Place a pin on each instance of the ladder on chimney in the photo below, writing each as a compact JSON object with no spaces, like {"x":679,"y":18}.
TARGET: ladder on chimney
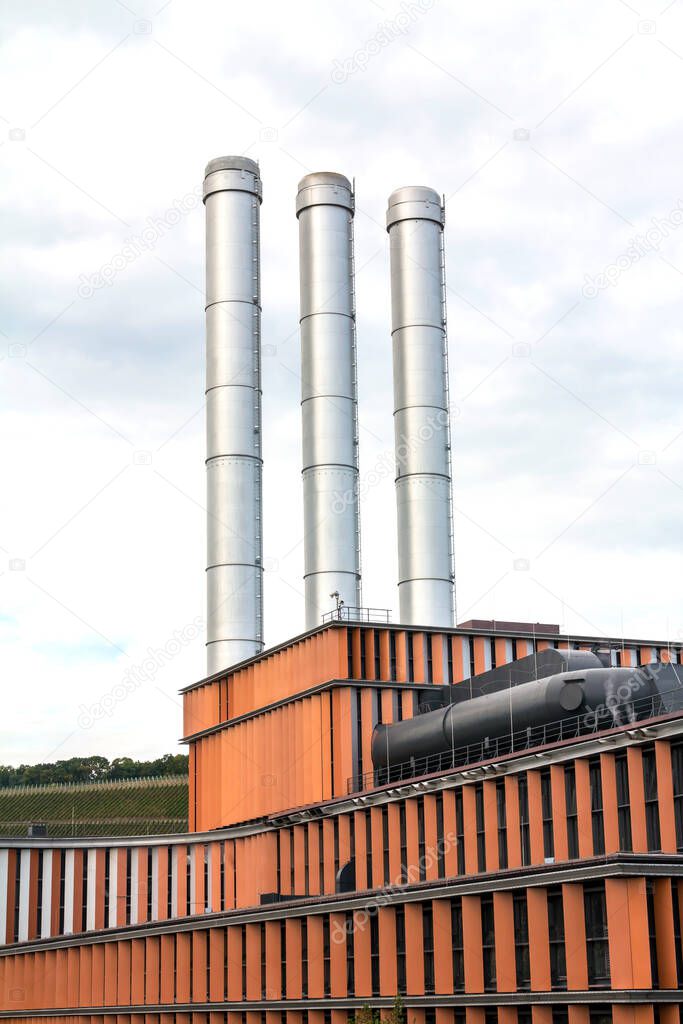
{"x":256,"y":369}
{"x":354,"y":386}
{"x":446,"y":385}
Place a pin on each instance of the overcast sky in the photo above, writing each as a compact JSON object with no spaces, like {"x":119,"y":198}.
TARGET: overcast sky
{"x":554,"y":130}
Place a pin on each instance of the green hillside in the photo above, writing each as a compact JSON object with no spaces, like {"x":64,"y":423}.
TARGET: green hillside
{"x":124,"y":808}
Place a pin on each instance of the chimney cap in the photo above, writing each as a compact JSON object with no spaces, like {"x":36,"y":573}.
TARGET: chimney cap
{"x":414,"y":202}
{"x":324,"y":188}
{"x":232,"y":163}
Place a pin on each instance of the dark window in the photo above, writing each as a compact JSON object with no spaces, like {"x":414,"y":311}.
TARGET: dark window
{"x":400,"y":950}
{"x":560,"y":1015}
{"x":349,"y":653}
{"x":623,"y":803}
{"x":488,"y":943}
{"x":440,"y":838}
{"x":524,"y":820}
{"x":411,"y":657}
{"x":428,"y":946}
{"x":460,"y":831}
{"x":654,"y":964}
{"x":283,"y":961}
{"x":374,"y":953}
{"x":572,"y":817}
{"x":449,"y":645}
{"x":502,"y":823}
{"x":558,"y":959}
{"x":385,"y":844}
{"x":326,"y":955}
{"x":392,"y":659}
{"x":547,"y":812}
{"x":596,"y":936}
{"x":350,"y":972}
{"x":677,"y":930}
{"x":651,"y":802}
{"x":481,"y":835}
{"x":368,"y":848}
{"x":264,"y":993}
{"x":521,"y":921}
{"x":363,"y":666}
{"x":597,"y":821}
{"x":378,"y":665}
{"x":677,"y":770}
{"x":404,"y":840}
{"x":304,"y":956}
{"x":427,"y":640}
{"x":457,"y":945}
{"x":470,"y":646}
{"x":421,"y":837}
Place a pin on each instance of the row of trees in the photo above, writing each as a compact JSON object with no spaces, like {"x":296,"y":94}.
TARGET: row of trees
{"x":92,"y":769}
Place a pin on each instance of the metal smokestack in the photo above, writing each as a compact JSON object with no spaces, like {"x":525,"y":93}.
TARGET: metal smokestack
{"x":329,"y":393}
{"x":232,"y":196}
{"x":415,"y":220}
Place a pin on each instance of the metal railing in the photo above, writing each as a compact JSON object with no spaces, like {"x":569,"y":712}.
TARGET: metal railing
{"x":347,"y":613}
{"x":610,"y":716}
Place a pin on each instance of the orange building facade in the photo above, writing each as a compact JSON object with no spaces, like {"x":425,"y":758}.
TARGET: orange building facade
{"x":542,"y":883}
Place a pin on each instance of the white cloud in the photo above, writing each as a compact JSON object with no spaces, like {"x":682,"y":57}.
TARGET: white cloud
{"x":122,"y":107}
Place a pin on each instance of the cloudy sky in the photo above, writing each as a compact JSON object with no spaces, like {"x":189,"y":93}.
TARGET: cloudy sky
{"x":554,"y":132}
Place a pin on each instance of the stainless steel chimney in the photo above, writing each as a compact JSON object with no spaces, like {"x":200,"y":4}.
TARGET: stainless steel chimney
{"x":415,"y":220}
{"x":232,"y":196}
{"x":329,"y":394}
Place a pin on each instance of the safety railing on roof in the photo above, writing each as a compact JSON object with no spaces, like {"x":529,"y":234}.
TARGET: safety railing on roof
{"x":347,"y":613}
{"x":489,"y":749}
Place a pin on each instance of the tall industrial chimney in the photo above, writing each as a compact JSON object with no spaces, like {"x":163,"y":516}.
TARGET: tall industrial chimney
{"x":329,"y":394}
{"x":232,"y":196}
{"x":415,"y":220}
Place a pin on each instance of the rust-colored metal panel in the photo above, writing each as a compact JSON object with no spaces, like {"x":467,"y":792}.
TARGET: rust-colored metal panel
{"x":273,"y":960}
{"x":316,"y":974}
{"x":504,"y":924}
{"x":610,"y":815}
{"x":415,"y":980}
{"x":636,"y":786}
{"x":293,"y":940}
{"x":664,"y":933}
{"x":539,"y":938}
{"x":137,"y":972}
{"x":583,"y":808}
{"x":152,"y":968}
{"x":387,"y":943}
{"x":412,"y":840}
{"x":84,"y":957}
{"x":361,"y":955}
{"x":183,"y":945}
{"x":394,"y":843}
{"x":234,"y":965}
{"x":443,"y":947}
{"x":575,"y":930}
{"x":339,"y":938}
{"x":110,"y":972}
{"x":579,"y":1015}
{"x":313,"y":840}
{"x":665,"y":796}
{"x":558,"y":796}
{"x":253,"y":961}
{"x":450,"y":834}
{"x":362,"y":881}
{"x":472,"y":941}
{"x":629,"y":943}
{"x":329,"y":880}
{"x":123,"y":973}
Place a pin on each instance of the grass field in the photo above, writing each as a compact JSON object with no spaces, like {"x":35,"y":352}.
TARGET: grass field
{"x":127,"y":808}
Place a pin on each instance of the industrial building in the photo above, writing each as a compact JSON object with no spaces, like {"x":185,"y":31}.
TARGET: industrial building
{"x":486,"y":818}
